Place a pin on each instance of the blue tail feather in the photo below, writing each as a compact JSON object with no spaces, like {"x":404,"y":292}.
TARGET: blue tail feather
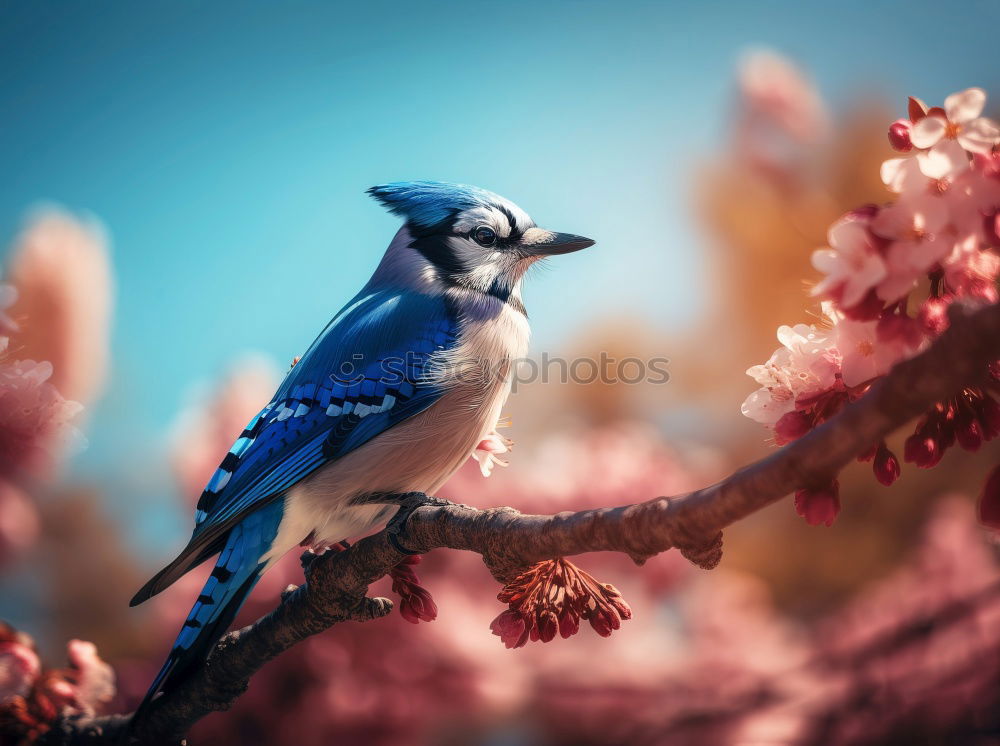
{"x":236,"y":572}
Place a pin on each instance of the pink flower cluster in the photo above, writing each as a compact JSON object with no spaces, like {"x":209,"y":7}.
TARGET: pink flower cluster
{"x":780,"y":116}
{"x":553,"y":596}
{"x":889,"y":274}
{"x":35,"y":427}
{"x":34,"y":417}
{"x":32,"y":697}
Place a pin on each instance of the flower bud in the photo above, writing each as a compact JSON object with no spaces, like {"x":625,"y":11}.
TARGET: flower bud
{"x":617,"y":602}
{"x":569,"y":623}
{"x":550,"y":597}
{"x":791,"y":426}
{"x":604,"y":621}
{"x":899,"y":135}
{"x":415,"y":602}
{"x":510,"y":628}
{"x":819,"y":506}
{"x":968,"y":431}
{"x":922,"y":450}
{"x":548,"y":625}
{"x":885,"y":466}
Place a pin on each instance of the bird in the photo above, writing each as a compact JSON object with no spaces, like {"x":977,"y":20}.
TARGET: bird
{"x":392,"y":397}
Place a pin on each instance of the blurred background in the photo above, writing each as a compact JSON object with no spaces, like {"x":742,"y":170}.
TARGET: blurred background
{"x":183,"y":208}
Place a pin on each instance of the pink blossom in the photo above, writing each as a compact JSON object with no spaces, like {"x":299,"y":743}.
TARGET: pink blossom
{"x":972,"y":271}
{"x":32,"y":698}
{"x":864,"y":354}
{"x":915,"y":228}
{"x":87,"y":684}
{"x":35,"y":420}
{"x":943,"y":163}
{"x":61,"y":268}
{"x":806,"y":364}
{"x":95,"y":679}
{"x":773,"y":88}
{"x":960,"y":122}
{"x":852,"y":264}
{"x":488,"y":450}
{"x":19,"y":668}
{"x":903,"y":175}
{"x":969,"y":198}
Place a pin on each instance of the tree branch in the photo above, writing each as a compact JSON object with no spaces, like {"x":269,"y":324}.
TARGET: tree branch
{"x":337,"y":583}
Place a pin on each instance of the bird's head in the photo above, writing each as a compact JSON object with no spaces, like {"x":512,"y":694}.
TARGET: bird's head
{"x":469,"y":238}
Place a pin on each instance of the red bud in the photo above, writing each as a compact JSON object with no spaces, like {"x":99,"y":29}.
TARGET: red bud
{"x":548,"y":625}
{"x":921,"y":450}
{"x":968,"y":431}
{"x":819,"y":506}
{"x":791,"y":426}
{"x":885,"y":466}
{"x":899,"y":135}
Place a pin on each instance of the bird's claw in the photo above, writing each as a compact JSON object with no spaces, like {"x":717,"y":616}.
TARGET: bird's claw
{"x":408,"y":502}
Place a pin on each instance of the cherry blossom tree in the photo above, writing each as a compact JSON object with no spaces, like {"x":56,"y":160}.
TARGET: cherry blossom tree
{"x":890,"y":274}
{"x":908,"y":328}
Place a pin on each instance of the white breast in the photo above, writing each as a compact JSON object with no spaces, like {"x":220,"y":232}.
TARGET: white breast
{"x":421,"y":453}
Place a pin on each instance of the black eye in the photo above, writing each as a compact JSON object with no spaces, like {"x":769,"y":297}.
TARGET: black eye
{"x":484,"y":236}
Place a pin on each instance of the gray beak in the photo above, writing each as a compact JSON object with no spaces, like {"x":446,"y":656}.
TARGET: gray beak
{"x":539,"y":242}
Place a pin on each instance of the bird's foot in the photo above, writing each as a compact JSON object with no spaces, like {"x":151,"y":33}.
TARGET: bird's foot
{"x":408,"y":502}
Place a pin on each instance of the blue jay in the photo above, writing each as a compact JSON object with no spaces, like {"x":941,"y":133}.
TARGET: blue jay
{"x":392,"y":397}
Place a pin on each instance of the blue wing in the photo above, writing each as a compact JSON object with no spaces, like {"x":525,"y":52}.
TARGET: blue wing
{"x":361,"y":376}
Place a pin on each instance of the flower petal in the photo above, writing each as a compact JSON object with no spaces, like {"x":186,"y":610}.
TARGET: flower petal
{"x":945,"y":160}
{"x":928,"y":131}
{"x":869,"y":274}
{"x":902,"y":175}
{"x":966,"y":105}
{"x":979,"y":136}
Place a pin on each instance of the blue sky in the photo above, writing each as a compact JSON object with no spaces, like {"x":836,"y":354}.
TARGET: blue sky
{"x":227,"y":147}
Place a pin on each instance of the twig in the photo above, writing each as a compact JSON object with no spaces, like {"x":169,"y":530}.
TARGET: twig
{"x":337,"y":583}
